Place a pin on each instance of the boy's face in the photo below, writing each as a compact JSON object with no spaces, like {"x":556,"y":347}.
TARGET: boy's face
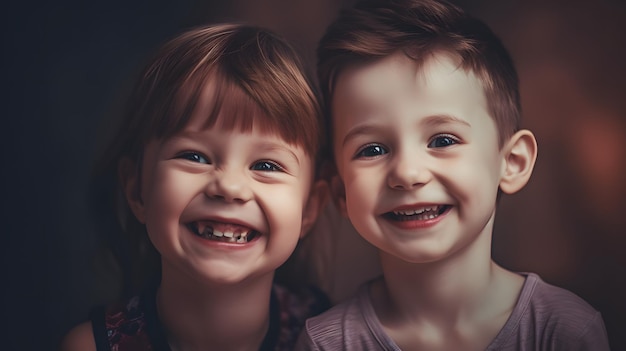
{"x":418,"y":156}
{"x":223,"y":206}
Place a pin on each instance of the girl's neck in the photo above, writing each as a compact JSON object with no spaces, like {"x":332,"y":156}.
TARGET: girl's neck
{"x":203,"y":317}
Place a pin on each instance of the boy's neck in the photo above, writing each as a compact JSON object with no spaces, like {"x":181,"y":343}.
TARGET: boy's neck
{"x":231,"y":317}
{"x":460,"y":301}
{"x":449,"y":289}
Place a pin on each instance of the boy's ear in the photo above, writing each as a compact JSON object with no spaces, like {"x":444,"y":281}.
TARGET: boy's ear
{"x":318,"y":197}
{"x":338,"y":192}
{"x":129,"y":177}
{"x":519,"y":154}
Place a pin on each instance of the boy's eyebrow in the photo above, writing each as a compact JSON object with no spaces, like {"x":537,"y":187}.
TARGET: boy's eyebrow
{"x":437,"y":120}
{"x":360,"y":129}
{"x":434,"y":120}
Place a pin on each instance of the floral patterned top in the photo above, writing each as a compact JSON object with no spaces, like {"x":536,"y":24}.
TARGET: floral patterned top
{"x":133,"y":325}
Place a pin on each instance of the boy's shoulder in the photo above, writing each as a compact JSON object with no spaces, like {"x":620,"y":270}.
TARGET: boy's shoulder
{"x":553,"y":301}
{"x":348,"y":311}
{"x":550,"y":317}
{"x":350,"y":325}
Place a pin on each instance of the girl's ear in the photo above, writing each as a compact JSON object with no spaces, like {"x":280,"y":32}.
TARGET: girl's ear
{"x":318,"y":197}
{"x":519,"y":154}
{"x":338,"y":192}
{"x":129,"y":176}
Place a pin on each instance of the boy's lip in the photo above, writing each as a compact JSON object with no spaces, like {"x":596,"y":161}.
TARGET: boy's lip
{"x":415,"y":207}
{"x":419,"y":215}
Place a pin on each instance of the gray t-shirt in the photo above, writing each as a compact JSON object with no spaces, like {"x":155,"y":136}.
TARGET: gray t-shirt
{"x":545,"y":317}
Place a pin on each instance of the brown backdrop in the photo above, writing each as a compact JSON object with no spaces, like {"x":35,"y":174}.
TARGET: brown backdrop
{"x":68,"y":66}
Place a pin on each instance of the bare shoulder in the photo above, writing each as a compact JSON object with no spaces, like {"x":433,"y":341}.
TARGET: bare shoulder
{"x":79,"y":338}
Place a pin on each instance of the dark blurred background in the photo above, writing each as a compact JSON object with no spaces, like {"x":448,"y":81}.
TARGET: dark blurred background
{"x":67,"y":67}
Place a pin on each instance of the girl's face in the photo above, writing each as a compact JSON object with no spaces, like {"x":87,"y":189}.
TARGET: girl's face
{"x":222,"y":205}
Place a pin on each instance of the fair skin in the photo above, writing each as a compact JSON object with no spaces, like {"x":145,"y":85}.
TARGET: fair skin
{"x":419,"y":168}
{"x":196,"y":189}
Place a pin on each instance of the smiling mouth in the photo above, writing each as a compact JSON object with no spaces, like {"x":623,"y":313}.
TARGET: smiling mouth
{"x":418,"y":214}
{"x":223,"y":232}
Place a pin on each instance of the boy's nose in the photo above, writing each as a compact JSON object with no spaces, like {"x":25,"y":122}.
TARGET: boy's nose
{"x":407,"y":172}
{"x":229,"y":186}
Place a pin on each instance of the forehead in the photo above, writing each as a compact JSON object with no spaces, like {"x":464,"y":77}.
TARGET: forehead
{"x":397,"y":97}
{"x":437,"y":83}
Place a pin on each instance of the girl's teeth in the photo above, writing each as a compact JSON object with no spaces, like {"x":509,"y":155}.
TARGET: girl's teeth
{"x":206,"y":232}
{"x":228,"y":236}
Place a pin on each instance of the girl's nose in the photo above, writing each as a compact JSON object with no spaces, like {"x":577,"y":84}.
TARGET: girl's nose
{"x":229,"y":185}
{"x":408,"y":171}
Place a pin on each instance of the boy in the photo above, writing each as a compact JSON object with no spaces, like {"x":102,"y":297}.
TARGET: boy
{"x":424,"y":113}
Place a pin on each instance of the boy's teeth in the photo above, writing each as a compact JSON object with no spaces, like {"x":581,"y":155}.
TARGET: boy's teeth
{"x":217,"y":233}
{"x":416,"y":211}
{"x":228,"y":234}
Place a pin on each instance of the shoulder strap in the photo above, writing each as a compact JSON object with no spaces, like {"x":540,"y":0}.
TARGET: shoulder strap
{"x":96,"y":316}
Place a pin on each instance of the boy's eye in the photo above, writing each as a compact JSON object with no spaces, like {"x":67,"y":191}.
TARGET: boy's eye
{"x":442,"y":141}
{"x":266,"y":166}
{"x":194,"y":157}
{"x":372,"y":150}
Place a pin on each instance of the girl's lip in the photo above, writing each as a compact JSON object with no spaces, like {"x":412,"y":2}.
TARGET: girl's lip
{"x":223,"y":221}
{"x":223,"y":240}
{"x":224,"y":232}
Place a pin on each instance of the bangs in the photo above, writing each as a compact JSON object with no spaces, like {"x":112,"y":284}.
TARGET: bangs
{"x":219,"y":101}
{"x":231,"y":77}
{"x":228,"y":103}
{"x":211,"y":96}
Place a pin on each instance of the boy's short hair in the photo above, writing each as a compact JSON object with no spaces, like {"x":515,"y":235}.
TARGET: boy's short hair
{"x":375,"y":29}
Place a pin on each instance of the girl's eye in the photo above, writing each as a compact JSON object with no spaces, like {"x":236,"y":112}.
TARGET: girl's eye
{"x":371,"y":151}
{"x":442,"y":141}
{"x":194,"y":157}
{"x":266,"y":166}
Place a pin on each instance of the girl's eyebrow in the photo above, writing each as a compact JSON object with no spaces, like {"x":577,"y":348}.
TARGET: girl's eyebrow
{"x":262,"y":146}
{"x":270,"y":146}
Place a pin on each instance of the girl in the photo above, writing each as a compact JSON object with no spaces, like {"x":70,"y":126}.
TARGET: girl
{"x":215,"y":164}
